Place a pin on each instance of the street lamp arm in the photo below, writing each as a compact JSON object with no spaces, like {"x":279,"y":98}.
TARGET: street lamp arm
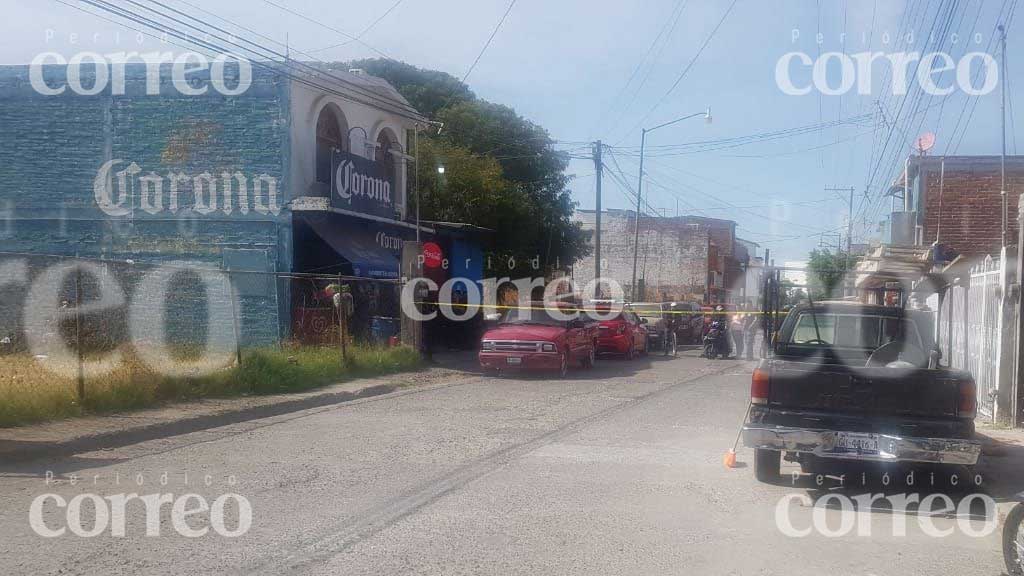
{"x":706,"y":114}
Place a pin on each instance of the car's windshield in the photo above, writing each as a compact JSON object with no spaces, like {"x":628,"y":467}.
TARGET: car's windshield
{"x":539,"y":315}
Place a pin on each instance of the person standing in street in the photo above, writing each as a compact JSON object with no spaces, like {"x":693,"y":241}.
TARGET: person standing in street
{"x":736,"y":330}
{"x":751,"y":327}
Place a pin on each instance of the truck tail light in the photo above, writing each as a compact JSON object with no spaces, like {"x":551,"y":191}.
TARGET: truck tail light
{"x":759,"y":387}
{"x":967,"y":401}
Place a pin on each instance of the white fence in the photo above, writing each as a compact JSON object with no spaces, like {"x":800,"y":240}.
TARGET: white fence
{"x":970,"y":328}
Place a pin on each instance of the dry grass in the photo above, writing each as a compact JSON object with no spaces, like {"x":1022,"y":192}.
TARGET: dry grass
{"x":34,"y":390}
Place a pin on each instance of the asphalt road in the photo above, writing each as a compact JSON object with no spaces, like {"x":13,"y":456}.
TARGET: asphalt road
{"x":612,"y":471}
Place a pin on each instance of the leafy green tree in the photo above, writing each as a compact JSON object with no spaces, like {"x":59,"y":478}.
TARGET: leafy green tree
{"x":429,"y":91}
{"x":827,"y":273}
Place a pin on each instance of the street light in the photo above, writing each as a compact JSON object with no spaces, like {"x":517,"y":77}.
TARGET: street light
{"x":640,"y":182}
{"x":440,"y":169}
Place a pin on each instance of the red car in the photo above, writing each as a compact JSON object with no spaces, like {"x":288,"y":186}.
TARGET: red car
{"x":625,"y":334}
{"x":536,"y":340}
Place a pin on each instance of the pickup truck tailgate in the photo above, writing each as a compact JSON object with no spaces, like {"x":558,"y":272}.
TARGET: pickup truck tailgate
{"x":824,"y":388}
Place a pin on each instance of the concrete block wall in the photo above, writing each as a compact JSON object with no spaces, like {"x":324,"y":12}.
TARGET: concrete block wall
{"x":677,"y":252}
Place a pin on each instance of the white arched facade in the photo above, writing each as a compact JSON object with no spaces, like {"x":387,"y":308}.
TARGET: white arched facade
{"x":361,"y":127}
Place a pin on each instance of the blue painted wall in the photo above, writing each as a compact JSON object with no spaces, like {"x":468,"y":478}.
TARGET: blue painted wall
{"x":52,"y":148}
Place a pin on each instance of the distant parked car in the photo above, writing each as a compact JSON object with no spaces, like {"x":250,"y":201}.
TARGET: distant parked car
{"x":624,"y":334}
{"x":690,"y":324}
{"x":538,"y":340}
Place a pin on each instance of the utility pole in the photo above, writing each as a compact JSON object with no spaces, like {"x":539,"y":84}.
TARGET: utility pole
{"x":636,"y":229}
{"x":599,"y":173}
{"x":1002,"y":110}
{"x":849,"y":229}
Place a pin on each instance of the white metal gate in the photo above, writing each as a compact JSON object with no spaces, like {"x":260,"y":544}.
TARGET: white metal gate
{"x":971,"y":326}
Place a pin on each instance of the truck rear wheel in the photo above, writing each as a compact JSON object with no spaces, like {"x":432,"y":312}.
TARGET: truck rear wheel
{"x":767,"y":465}
{"x":1013,"y":541}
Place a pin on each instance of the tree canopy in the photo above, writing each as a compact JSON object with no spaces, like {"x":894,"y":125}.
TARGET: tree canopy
{"x":502,"y":171}
{"x":827,"y":273}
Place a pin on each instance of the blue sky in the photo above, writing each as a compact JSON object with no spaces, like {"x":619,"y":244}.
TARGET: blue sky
{"x":565,"y":65}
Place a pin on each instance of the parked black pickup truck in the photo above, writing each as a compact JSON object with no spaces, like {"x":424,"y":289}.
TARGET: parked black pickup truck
{"x":849,"y":381}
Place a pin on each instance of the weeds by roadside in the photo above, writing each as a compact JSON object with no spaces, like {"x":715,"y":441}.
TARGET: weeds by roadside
{"x":29,"y":393}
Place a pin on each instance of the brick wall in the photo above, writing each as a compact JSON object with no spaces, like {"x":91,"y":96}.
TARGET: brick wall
{"x":971,"y":212}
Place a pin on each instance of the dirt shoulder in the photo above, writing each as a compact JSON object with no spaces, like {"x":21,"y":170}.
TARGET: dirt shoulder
{"x":67,"y":437}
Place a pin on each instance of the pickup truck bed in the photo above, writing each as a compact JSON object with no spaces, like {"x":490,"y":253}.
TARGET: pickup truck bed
{"x":817,"y":396}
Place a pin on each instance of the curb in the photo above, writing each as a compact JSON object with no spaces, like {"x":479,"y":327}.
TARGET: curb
{"x":27,"y":451}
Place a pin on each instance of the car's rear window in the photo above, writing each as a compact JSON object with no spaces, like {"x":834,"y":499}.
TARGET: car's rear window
{"x":853,"y":330}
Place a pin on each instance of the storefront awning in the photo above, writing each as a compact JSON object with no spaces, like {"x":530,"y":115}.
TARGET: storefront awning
{"x":367,"y":257}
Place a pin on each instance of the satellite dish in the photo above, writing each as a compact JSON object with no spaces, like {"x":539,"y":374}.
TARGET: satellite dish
{"x":925,"y":142}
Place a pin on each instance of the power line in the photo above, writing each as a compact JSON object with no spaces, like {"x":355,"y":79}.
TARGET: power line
{"x":363,"y":91}
{"x":489,"y":38}
{"x":168,"y":30}
{"x":685,"y":71}
{"x":325,"y":26}
{"x":718,"y":143}
{"x":669,"y":26}
{"x":364,"y":31}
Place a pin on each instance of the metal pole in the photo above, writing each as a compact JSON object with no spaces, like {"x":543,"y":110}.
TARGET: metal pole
{"x":636,"y":229}
{"x":849,"y":228}
{"x":416,"y":176}
{"x":342,"y":317}
{"x":78,"y":335}
{"x":234,"y":320}
{"x":599,"y":168}
{"x":1018,"y":387}
{"x":1002,"y":109}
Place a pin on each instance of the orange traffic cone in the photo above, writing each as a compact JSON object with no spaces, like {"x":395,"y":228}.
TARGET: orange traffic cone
{"x":729,"y":460}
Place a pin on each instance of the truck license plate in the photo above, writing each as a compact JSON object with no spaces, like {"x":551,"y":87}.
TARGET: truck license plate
{"x":514,"y":360}
{"x":857,"y":442}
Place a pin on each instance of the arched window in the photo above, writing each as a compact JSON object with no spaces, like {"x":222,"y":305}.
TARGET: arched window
{"x":329,"y":130}
{"x":383,"y":156}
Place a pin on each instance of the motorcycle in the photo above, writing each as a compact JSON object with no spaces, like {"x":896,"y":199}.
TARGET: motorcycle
{"x":1013,"y":539}
{"x":716,"y":341}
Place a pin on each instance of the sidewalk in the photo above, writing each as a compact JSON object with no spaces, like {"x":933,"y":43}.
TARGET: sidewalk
{"x":1002,"y":464}
{"x":52,"y":440}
